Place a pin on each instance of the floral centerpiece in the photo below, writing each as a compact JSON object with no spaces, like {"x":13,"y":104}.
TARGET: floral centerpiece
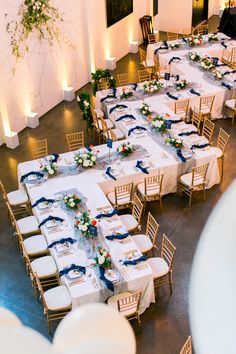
{"x":83,"y":224}
{"x":125,"y":149}
{"x":213,"y":37}
{"x":103,"y":258}
{"x":175,"y":45}
{"x":86,"y":159}
{"x":181,"y":84}
{"x":49,"y":168}
{"x":218,"y":75}
{"x":159,"y":123}
{"x":152,"y":86}
{"x":145,"y":109}
{"x":83,"y":100}
{"x":176,"y":143}
{"x":207,"y":63}
{"x":99,"y":74}
{"x":194,"y":40}
{"x":126,"y":94}
{"x":193,"y":56}
{"x":71,"y":201}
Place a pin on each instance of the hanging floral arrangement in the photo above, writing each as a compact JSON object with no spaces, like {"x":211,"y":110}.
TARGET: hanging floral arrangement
{"x":35,"y":16}
{"x":101,"y":74}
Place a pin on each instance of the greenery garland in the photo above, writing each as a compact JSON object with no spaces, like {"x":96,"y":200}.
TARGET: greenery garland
{"x":99,"y":74}
{"x":83,"y":100}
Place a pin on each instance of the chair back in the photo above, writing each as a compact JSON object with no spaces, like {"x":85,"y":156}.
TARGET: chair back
{"x":39,"y":148}
{"x":137,"y":209}
{"x":151,"y":38}
{"x":11,"y":216}
{"x":199,"y":175}
{"x":196,"y":120}
{"x":142,"y":56}
{"x":187,"y":347}
{"x":233,"y":59}
{"x":123,"y":79}
{"x":172,"y":36}
{"x":181,"y":107}
{"x":222,"y":140}
{"x":112,"y":135}
{"x":123,"y":194}
{"x":75,"y":141}
{"x":129,"y":303}
{"x":168,"y":251}
{"x":94,"y":118}
{"x":206,"y":103}
{"x":103,"y":84}
{"x":104,"y":127}
{"x":226,"y":56}
{"x":144,"y":75}
{"x":153,"y":184}
{"x":208,"y":129}
{"x":152,"y":228}
{"x":3,"y":190}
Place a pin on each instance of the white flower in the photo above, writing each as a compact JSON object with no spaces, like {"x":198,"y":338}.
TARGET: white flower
{"x":71,"y":200}
{"x":101,"y":259}
{"x":86,"y":163}
{"x":86,"y":103}
{"x":50,"y":171}
{"x":83,"y":227}
{"x":72,"y":204}
{"x":104,"y":253}
{"x":78,"y":99}
{"x":93,"y":158}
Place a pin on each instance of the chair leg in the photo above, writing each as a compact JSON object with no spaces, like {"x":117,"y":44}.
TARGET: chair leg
{"x":190,"y":199}
{"x":170,"y":282}
{"x":161,"y":204}
{"x":204,"y":193}
{"x":222,"y":168}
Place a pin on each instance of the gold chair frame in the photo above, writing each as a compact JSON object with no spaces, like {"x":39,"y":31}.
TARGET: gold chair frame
{"x":182,"y":106}
{"x":144,"y":75}
{"x":187,"y":347}
{"x":208,"y":129}
{"x":123,"y":192}
{"x":39,"y":148}
{"x":17,"y":209}
{"x":75,"y":141}
{"x":152,"y":183}
{"x":130,"y":302}
{"x":123,"y":79}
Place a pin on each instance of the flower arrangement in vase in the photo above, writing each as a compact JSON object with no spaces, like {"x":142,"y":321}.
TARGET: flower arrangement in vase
{"x":175,"y":45}
{"x":181,"y":84}
{"x":100,"y":74}
{"x":207,"y":63}
{"x":83,"y":100}
{"x":193,"y":56}
{"x":86,"y":159}
{"x":83,"y":224}
{"x":145,"y":109}
{"x":71,"y":201}
{"x":195,"y":40}
{"x":213,"y":37}
{"x":176,"y":143}
{"x":49,"y":168}
{"x":218,"y":75}
{"x":159,"y":124}
{"x":152,"y":87}
{"x":103,"y":258}
{"x":125,"y":149}
{"x":126,"y":94}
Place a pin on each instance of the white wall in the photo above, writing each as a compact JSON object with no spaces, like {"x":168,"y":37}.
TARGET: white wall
{"x":214,"y":7}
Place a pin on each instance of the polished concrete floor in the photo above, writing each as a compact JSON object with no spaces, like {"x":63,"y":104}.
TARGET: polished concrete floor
{"x":165,"y":325}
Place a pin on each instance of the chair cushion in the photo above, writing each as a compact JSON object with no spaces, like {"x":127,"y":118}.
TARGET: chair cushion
{"x":111,"y":197}
{"x":187,"y":180}
{"x":204,"y":110}
{"x":57,"y":298}
{"x":218,"y":152}
{"x":159,"y":266}
{"x":119,"y":134}
{"x":230,"y":103}
{"x":113,"y":301}
{"x":44,"y":266}
{"x":35,"y":245}
{"x":150,"y":192}
{"x":99,"y":112}
{"x":143,"y":242}
{"x":129,"y":221}
{"x":108,"y":122}
{"x":17,"y":197}
{"x":28,"y":225}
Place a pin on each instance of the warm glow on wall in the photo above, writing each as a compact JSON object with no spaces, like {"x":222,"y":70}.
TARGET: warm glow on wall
{"x":4,"y":115}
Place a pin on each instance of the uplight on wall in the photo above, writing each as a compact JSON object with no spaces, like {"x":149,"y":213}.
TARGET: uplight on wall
{"x":133,"y":47}
{"x":68,"y":93}
{"x":32,"y":119}
{"x":111,"y":63}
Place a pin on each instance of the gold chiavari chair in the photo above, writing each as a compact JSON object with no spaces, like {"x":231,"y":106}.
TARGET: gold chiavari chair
{"x":147,"y":242}
{"x":18,"y":200}
{"x":103,"y":84}
{"x":39,"y":148}
{"x":186,"y":32}
{"x":97,"y":124}
{"x":105,"y":131}
{"x":229,"y":109}
{"x":127,"y":304}
{"x":144,"y":75}
{"x":133,"y":221}
{"x":232,"y":63}
{"x":142,"y":57}
{"x":226,"y":57}
{"x":151,"y":189}
{"x":56,"y":302}
{"x":194,"y":181}
{"x":196,"y":120}
{"x":152,"y":38}
{"x":75,"y":141}
{"x":205,"y":106}
{"x":203,"y":29}
{"x":112,"y":135}
{"x":162,"y":267}
{"x":181,"y":108}
{"x":208,"y":129}
{"x":187,"y":347}
{"x":172,"y":36}
{"x":123,"y":79}
{"x":45,"y":268}
{"x":222,"y":141}
{"x":121,"y":198}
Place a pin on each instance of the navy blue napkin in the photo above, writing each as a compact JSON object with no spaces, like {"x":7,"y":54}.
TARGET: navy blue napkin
{"x":160,"y":48}
{"x":135,"y":128}
{"x":42,"y":200}
{"x":61,"y":241}
{"x":108,"y":96}
{"x":108,"y":215}
{"x":108,"y":283}
{"x":179,"y":154}
{"x":194,"y":92}
{"x":114,"y":89}
{"x":88,"y":148}
{"x":72,"y":267}
{"x":125,"y":116}
{"x":226,"y":85}
{"x":223,"y":44}
{"x":175,"y":121}
{"x":108,"y":173}
{"x":135,"y":261}
{"x":188,"y":133}
{"x":49,"y":218}
{"x":135,"y":86}
{"x":229,"y":72}
{"x":117,"y":236}
{"x":184,"y":40}
{"x":172,"y":96}
{"x":218,"y":65}
{"x":38,"y":174}
{"x":117,"y":106}
{"x":202,"y":146}
{"x":174,"y":59}
{"x":54,"y":157}
{"x":139,"y":166}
